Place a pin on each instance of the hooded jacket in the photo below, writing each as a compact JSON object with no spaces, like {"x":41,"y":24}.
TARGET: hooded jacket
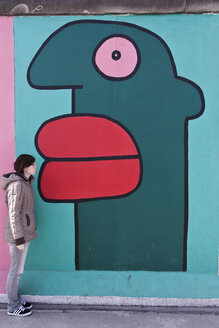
{"x":19,"y":198}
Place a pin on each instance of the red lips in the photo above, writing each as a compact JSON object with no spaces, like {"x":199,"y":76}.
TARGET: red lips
{"x":88,"y":157}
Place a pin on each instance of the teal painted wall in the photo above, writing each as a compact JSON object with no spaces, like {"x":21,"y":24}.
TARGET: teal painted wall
{"x":192,"y":41}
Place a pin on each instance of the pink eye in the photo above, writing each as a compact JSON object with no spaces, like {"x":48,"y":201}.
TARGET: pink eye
{"x":117,"y":58}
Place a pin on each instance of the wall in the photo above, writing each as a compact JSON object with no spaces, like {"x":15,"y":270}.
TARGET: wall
{"x":74,"y":7}
{"x":185,"y":240}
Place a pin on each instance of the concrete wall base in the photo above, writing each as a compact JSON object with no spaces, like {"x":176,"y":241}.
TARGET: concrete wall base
{"x":115,"y":301}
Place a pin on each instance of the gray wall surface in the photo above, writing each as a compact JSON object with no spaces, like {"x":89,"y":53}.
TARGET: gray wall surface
{"x":86,"y":7}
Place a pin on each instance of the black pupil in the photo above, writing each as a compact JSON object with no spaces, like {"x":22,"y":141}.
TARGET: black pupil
{"x":116,"y":55}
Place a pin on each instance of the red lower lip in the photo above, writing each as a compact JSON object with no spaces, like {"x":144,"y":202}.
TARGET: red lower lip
{"x":89,"y":179}
{"x":89,"y":157}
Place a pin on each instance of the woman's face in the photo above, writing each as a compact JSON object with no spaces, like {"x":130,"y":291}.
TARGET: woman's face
{"x":30,"y":170}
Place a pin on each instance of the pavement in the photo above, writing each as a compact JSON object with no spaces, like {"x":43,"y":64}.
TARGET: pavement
{"x":129,"y":318}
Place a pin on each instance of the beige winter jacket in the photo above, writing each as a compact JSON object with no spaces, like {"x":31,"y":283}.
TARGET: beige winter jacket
{"x":19,"y":197}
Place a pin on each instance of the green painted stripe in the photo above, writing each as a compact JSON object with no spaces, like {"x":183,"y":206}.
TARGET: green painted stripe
{"x":124,"y":284}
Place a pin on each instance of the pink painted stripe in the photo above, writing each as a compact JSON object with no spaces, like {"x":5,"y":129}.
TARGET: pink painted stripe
{"x":3,"y":279}
{"x":7,"y":136}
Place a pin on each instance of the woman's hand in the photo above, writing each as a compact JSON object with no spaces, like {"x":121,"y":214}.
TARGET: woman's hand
{"x":20,"y":247}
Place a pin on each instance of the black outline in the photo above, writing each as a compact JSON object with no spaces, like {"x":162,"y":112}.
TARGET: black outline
{"x":73,"y":100}
{"x":118,"y":54}
{"x":89,"y":159}
{"x":117,"y":78}
{"x":73,"y":87}
{"x":76,"y":237}
{"x":105,"y":158}
{"x":75,"y":204}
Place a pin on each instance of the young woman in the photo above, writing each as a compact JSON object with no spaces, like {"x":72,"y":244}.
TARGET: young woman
{"x":20,"y":227}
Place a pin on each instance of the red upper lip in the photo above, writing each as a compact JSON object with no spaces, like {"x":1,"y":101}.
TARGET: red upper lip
{"x":84,"y":137}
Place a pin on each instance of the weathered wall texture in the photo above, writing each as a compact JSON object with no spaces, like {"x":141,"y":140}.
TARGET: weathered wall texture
{"x":121,"y":115}
{"x":63,"y":7}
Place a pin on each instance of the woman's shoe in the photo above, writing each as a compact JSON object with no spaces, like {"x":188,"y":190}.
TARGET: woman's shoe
{"x":21,"y":312}
{"x":26,"y":305}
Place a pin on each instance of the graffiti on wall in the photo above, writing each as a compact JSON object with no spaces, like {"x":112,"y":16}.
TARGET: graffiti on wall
{"x":121,"y":156}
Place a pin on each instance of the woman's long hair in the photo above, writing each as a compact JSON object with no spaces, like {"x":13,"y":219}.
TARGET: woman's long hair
{"x":23,"y":161}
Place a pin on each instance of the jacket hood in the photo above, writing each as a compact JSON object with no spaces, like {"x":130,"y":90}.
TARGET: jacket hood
{"x":12,"y":177}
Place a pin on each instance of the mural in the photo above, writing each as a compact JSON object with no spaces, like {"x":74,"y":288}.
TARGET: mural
{"x":122,"y":154}
{"x":140,"y":118}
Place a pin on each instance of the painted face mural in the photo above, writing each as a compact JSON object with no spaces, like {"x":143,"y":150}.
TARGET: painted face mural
{"x":122,"y":154}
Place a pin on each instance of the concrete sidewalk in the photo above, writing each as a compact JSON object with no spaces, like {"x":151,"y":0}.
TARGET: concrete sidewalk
{"x":107,"y":319}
